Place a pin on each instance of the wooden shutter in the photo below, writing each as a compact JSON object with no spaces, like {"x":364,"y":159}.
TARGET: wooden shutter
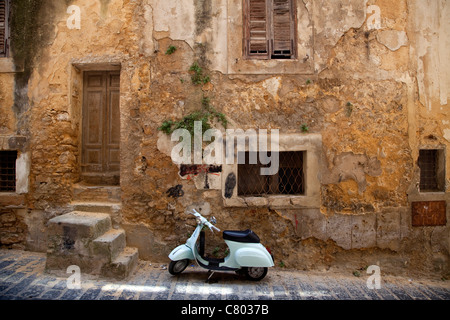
{"x":256,"y":38}
{"x":283,"y":28}
{"x":3,"y":27}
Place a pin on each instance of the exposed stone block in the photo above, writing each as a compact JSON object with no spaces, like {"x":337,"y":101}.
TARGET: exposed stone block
{"x":388,"y":229}
{"x":339,"y":229}
{"x":311,"y":224}
{"x":363,"y":231}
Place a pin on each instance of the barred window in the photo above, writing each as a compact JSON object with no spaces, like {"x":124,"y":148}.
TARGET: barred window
{"x":289,"y":180}
{"x":269,"y":29}
{"x":4,"y":28}
{"x":8,"y":171}
{"x":432,"y":170}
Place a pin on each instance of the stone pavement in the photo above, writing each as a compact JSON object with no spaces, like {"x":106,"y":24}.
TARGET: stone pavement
{"x":22,"y":277}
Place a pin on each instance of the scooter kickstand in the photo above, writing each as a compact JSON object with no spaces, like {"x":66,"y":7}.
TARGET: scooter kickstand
{"x":210,"y":275}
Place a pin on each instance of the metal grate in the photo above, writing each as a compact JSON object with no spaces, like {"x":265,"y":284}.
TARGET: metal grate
{"x":288,"y":181}
{"x":8,"y":171}
{"x":428,"y":162}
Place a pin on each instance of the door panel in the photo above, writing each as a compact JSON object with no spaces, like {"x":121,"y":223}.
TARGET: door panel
{"x":101,"y":128}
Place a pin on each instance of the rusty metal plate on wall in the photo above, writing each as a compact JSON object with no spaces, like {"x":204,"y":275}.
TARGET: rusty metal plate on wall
{"x":429,"y":213}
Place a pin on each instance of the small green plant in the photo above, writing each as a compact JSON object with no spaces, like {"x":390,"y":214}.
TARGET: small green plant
{"x":308,"y":81}
{"x":282,"y":264}
{"x":305,"y":128}
{"x":197,"y":76}
{"x":213,"y":112}
{"x":205,"y":115}
{"x":171,"y":49}
{"x":356,"y":273}
{"x":166,"y":127}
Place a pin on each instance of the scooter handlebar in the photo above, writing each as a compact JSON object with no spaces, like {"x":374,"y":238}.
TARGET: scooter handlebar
{"x":211,"y":227}
{"x":204,"y":221}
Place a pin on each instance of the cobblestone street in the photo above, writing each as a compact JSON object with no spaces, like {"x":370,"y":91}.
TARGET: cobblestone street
{"x":22,"y":277}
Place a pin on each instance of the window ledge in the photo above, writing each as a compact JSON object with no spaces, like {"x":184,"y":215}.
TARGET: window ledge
{"x":275,"y":201}
{"x":429,"y":196}
{"x":431,"y":192}
{"x":8,"y":65}
{"x":12,"y":200}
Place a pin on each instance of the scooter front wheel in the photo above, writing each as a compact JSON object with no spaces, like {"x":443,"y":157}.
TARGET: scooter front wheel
{"x":177,"y":267}
{"x":255,"y":273}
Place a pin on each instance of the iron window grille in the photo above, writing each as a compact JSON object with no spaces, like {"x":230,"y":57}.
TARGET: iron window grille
{"x":431,"y":171}
{"x":8,"y":171}
{"x":290,"y":179}
{"x":4,"y":28}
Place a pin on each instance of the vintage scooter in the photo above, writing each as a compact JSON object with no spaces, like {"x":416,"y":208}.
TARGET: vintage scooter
{"x":246,"y":253}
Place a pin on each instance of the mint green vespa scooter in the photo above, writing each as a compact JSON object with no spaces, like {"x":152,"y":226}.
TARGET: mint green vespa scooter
{"x":246,"y":253}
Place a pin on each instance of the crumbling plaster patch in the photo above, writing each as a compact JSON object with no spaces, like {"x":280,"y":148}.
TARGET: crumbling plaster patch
{"x":348,"y":166}
{"x":393,"y":39}
{"x":332,"y":19}
{"x":430,"y":27}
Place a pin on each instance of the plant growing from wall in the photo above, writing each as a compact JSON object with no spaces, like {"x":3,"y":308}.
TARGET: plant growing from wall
{"x":171,"y":49}
{"x":198,"y":77}
{"x":305,"y":128}
{"x":206,"y":115}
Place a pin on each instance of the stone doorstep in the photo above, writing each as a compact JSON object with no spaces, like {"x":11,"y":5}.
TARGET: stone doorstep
{"x":99,"y":193}
{"x":96,"y":206}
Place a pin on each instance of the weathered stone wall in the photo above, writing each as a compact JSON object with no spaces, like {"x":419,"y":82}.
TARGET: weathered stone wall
{"x":373,"y":96}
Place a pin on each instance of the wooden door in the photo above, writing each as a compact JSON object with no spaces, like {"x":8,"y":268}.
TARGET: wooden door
{"x":101,"y":128}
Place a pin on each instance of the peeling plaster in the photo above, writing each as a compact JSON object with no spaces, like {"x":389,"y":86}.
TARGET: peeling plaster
{"x":393,"y":39}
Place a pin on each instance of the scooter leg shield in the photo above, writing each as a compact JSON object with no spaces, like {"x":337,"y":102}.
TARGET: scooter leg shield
{"x":181,"y":252}
{"x":256,"y":256}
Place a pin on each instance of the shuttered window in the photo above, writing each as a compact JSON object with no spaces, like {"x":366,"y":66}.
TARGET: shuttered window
{"x":257,"y":34}
{"x":269,"y":29}
{"x":4,"y":30}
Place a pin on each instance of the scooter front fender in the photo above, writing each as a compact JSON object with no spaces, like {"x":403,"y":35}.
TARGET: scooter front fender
{"x":181,"y":252}
{"x":254,"y":256}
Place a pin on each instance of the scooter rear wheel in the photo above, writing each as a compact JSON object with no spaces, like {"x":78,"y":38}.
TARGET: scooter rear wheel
{"x":255,"y":273}
{"x":177,"y":267}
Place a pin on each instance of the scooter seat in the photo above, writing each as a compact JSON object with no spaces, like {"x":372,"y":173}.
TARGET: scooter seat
{"x":247,"y":236}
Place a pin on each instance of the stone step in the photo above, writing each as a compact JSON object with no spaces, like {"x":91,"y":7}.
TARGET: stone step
{"x":110,"y":244}
{"x":83,"y":192}
{"x":122,"y":266}
{"x":82,"y":225}
{"x":70,"y":237}
{"x":97,"y":206}
{"x":111,"y":208}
